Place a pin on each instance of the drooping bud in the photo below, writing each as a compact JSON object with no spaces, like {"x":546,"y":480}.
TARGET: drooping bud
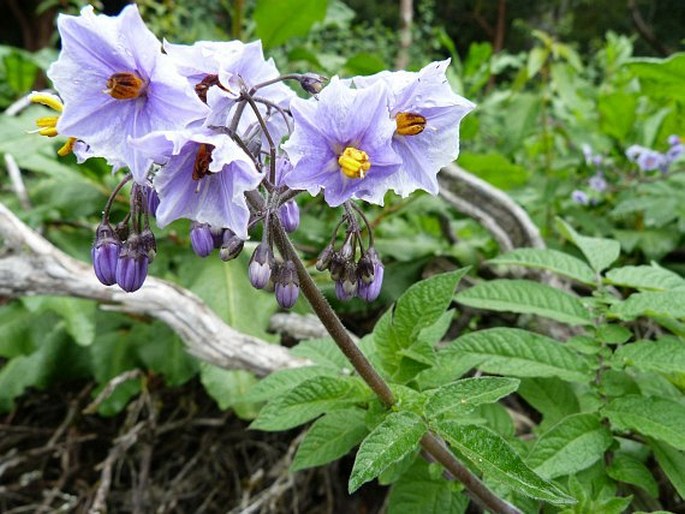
{"x":217,"y":236}
{"x":347,"y":249}
{"x":312,"y":83}
{"x":325,"y":258}
{"x":132,"y":265}
{"x":287,"y":284}
{"x":201,"y":239}
{"x":337,"y":266}
{"x":289,"y":213}
{"x":348,"y":278}
{"x":105,"y":254}
{"x":149,"y":243}
{"x":261,"y":266}
{"x":231,"y":247}
{"x":341,"y":294}
{"x":122,"y":230}
{"x":370,"y":291}
{"x":365,"y":267}
{"x":151,"y":200}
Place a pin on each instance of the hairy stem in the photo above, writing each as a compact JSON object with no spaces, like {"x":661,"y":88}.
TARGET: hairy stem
{"x":430,"y":442}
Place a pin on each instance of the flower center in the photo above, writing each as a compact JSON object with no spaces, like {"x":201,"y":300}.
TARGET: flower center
{"x":409,"y":123}
{"x":125,"y":86}
{"x":354,"y":163}
{"x":202,"y":160}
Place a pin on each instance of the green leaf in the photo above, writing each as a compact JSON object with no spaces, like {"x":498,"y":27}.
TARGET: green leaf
{"x":654,"y":417}
{"x":551,"y":397}
{"x":665,"y":355}
{"x":629,"y":470}
{"x":663,"y":303}
{"x":284,"y":380}
{"x":536,"y":59}
{"x":653,"y":278}
{"x":496,"y":458}
{"x":323,"y":352}
{"x":394,"y":438}
{"x":419,"y":492}
{"x":228,"y":388}
{"x":279,"y":20}
{"x":78,"y":315}
{"x":526,"y":297}
{"x":308,"y":400}
{"x":468,"y":393}
{"x":495,"y":168}
{"x":330,"y":437}
{"x":512,"y":351}
{"x":672,"y":462}
{"x":599,"y":252}
{"x":617,"y":112}
{"x":552,"y":260}
{"x":662,"y":78}
{"x":573,"y":444}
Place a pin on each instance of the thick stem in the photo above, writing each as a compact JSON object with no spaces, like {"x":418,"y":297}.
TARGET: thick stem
{"x":430,"y":442}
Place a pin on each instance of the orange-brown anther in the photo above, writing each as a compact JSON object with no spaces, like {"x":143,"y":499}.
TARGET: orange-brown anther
{"x":202,"y":160}
{"x":409,"y":123}
{"x":125,"y":86}
{"x":203,"y":86}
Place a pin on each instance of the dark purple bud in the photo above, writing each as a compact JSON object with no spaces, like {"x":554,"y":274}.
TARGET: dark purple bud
{"x":132,"y":265}
{"x":349,"y":278}
{"x":365,"y":267}
{"x":201,"y":239}
{"x":105,"y":254}
{"x":287,"y":285}
{"x":261,"y":266}
{"x":341,"y":293}
{"x":121,"y":229}
{"x":325,"y":258}
{"x":231,"y":247}
{"x":337,"y":266}
{"x":289,"y":213}
{"x":369,"y":292}
{"x":217,"y":236}
{"x":147,"y":239}
{"x":312,"y":83}
{"x":152,"y":201}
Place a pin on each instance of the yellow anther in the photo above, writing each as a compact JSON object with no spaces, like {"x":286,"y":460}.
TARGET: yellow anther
{"x":47,"y":121}
{"x":409,"y":123}
{"x":67,"y":147}
{"x":125,"y":86}
{"x":354,"y":163}
{"x":48,"y":131}
{"x":47,"y":99}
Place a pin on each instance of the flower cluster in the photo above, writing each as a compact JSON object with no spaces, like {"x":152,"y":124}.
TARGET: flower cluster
{"x":597,"y":184}
{"x":648,"y":159}
{"x":199,"y":127}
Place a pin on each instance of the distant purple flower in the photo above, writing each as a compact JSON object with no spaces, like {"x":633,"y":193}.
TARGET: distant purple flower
{"x":427,"y":114}
{"x":634,"y":151}
{"x":204,"y":178}
{"x":587,"y":153}
{"x":650,"y":160}
{"x":598,"y":182}
{"x":580,"y":197}
{"x":116,"y":84}
{"x":674,"y":152}
{"x":341,"y":143}
{"x":674,"y":139}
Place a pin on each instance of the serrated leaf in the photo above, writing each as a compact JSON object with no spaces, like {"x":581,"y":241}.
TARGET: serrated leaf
{"x":417,"y":492}
{"x":468,"y":393}
{"x":654,"y":417}
{"x":599,"y":252}
{"x":672,"y":462}
{"x":551,"y":397}
{"x":552,"y":260}
{"x":663,"y":303}
{"x":284,"y":380}
{"x":526,"y":297}
{"x":512,"y":351}
{"x":330,"y":437}
{"x":629,"y":470}
{"x":323,"y":352}
{"x":78,"y":315}
{"x":277,"y":21}
{"x":424,"y":303}
{"x":394,"y":438}
{"x":496,"y":458}
{"x":228,"y":388}
{"x":665,"y":355}
{"x":308,"y":400}
{"x":573,"y":444}
{"x":653,"y":278}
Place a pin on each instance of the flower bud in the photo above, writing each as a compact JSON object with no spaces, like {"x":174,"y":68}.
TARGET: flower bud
{"x":341,"y":294}
{"x":347,"y":250}
{"x":348,"y":278}
{"x":365,"y":267}
{"x":289,"y":213}
{"x":231,"y":247}
{"x":105,"y":254}
{"x":261,"y":266}
{"x":287,"y":285}
{"x":370,"y":291}
{"x":325,"y":258}
{"x":132,"y":264}
{"x":149,"y":243}
{"x":201,"y":239}
{"x":217,"y":236}
{"x":151,"y":201}
{"x":337,"y":266}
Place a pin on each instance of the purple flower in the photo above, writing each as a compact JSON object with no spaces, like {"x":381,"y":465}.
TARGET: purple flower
{"x":674,"y":152}
{"x":369,"y":292}
{"x":341,"y":143}
{"x":580,"y":197}
{"x":201,"y":239}
{"x":598,"y":182}
{"x":650,"y":160}
{"x":634,"y":151}
{"x":287,"y":285}
{"x":116,"y":84}
{"x":204,"y":178}
{"x":427,"y":114}
{"x":261,"y":266}
{"x":674,"y":139}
